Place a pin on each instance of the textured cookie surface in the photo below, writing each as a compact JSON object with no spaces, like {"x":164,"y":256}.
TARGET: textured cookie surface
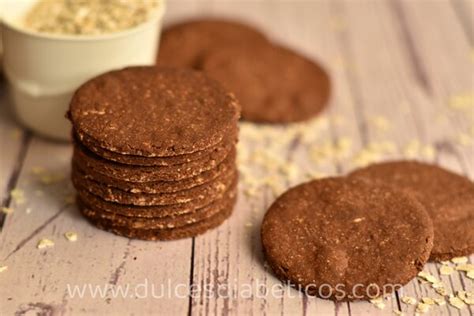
{"x":185,"y":44}
{"x":153,"y":111}
{"x":347,"y":234}
{"x":448,"y":198}
{"x":273,"y":83}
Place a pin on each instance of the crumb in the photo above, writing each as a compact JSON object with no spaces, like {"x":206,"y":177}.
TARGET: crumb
{"x":71,"y":236}
{"x":7,"y":210}
{"x":446,"y":270}
{"x":18,"y":196}
{"x":422,"y":308}
{"x":378,"y":302}
{"x":45,"y":243}
{"x":408,"y":300}
{"x":456,"y":302}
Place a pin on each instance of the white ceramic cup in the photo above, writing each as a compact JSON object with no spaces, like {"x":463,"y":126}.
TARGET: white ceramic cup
{"x":44,"y":70}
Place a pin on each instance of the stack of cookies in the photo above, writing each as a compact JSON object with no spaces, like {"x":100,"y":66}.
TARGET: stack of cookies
{"x":154,"y":152}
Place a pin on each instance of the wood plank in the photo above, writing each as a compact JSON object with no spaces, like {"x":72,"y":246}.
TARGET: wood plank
{"x":97,"y":258}
{"x":391,"y":53}
{"x":14,"y":142}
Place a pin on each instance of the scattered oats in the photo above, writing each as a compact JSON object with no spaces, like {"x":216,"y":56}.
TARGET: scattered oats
{"x":456,"y":302}
{"x":18,"y":196}
{"x":412,"y":149}
{"x":28,"y":210}
{"x":250,"y":191}
{"x":439,"y":288}
{"x":38,"y":170}
{"x":7,"y":210}
{"x":71,"y":236}
{"x":45,"y":243}
{"x":380,"y":122}
{"x":409,"y":300}
{"x":378,"y":302}
{"x":3,"y":268}
{"x":465,"y":267}
{"x":315,"y":175}
{"x":428,"y":152}
{"x":462,"y":101}
{"x":422,"y":308}
{"x":444,"y":262}
{"x":358,"y":220}
{"x":373,"y":152}
{"x":365,"y":157}
{"x":427,"y":277}
{"x":466,"y":297}
{"x":458,"y":260}
{"x":291,"y":171}
{"x":51,"y":178}
{"x":428,"y":301}
{"x":470,"y":275}
{"x":398,"y":313}
{"x":274,"y":184}
{"x":446,"y":270}
{"x":439,"y":301}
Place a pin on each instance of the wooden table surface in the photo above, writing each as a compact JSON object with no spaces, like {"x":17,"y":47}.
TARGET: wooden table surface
{"x":403,"y":88}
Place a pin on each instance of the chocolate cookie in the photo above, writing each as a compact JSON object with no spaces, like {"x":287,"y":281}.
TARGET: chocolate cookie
{"x":162,"y":186}
{"x":202,"y":191}
{"x":155,"y":161}
{"x":343,"y":239}
{"x":90,"y":161}
{"x":185,"y":44}
{"x":186,"y":231}
{"x":156,"y":211}
{"x":198,"y":215}
{"x":448,"y":198}
{"x":153,"y":111}
{"x":273,"y":84}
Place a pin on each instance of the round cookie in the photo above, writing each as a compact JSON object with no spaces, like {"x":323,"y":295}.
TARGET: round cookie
{"x":162,"y":186}
{"x":153,"y":111}
{"x":185,"y":44}
{"x":89,"y":161}
{"x":155,"y":211}
{"x":154,"y":161}
{"x":342,"y":238}
{"x":198,"y":215}
{"x":447,"y":197}
{"x":273,"y":84}
{"x":202,"y":191}
{"x":186,"y":231}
